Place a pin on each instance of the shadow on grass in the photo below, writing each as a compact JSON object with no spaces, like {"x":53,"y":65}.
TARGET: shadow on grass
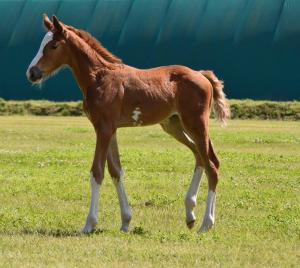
{"x":137,"y":231}
{"x":53,"y":233}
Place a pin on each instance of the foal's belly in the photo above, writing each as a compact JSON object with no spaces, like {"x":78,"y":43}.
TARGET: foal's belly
{"x":144,"y":115}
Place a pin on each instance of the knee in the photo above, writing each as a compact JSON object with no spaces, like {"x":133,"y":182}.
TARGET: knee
{"x":115,"y":172}
{"x":119,"y":175}
{"x":98,"y":174}
{"x":199,"y":162}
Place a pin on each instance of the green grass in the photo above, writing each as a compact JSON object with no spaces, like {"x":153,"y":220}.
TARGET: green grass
{"x":44,"y":197}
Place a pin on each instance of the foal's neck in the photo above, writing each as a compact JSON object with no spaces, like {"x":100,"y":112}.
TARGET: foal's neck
{"x":85,"y":65}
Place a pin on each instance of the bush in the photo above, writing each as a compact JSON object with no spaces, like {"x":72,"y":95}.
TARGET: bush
{"x":44,"y":108}
{"x":241,"y":109}
{"x":250,"y":109}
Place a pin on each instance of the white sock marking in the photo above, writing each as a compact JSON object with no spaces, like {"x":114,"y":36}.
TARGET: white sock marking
{"x":92,"y":218}
{"x":47,"y":38}
{"x":209,"y":217}
{"x":191,"y":195}
{"x":124,"y":206}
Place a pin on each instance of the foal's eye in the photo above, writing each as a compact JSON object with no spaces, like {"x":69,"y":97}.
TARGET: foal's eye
{"x":54,"y":46}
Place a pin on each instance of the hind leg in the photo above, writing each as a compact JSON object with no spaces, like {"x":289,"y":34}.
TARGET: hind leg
{"x":197,"y":127}
{"x":117,"y":175}
{"x":209,"y":216}
{"x":174,"y":127}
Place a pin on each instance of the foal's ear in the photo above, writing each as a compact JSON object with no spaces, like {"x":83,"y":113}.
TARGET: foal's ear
{"x":47,"y":23}
{"x":58,"y":26}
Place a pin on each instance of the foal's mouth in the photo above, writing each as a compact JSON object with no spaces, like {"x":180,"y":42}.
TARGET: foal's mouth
{"x":33,"y":80}
{"x":38,"y":80}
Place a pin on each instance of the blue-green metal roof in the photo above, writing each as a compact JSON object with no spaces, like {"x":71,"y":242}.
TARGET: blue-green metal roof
{"x":252,"y":44}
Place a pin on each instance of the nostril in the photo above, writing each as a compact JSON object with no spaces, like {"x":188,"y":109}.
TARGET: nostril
{"x":35,"y":73}
{"x":30,"y":75}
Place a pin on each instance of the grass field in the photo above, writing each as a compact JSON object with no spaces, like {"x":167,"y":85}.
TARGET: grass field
{"x":44,"y":197}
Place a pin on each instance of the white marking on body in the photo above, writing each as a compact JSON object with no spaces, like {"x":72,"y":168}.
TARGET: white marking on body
{"x":136,"y":114}
{"x":124,"y":206}
{"x":209,"y":217}
{"x":47,"y":38}
{"x":92,"y":218}
{"x":191,"y":196}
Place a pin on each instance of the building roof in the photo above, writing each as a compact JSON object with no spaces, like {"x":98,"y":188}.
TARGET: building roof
{"x":251,"y":44}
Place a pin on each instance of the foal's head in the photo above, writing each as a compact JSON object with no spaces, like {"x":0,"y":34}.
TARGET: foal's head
{"x":53,"y":52}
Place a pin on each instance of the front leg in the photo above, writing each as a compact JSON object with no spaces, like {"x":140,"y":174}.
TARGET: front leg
{"x":92,"y":218}
{"x":97,"y":174}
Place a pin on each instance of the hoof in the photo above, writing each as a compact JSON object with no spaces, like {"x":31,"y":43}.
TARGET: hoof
{"x":206,"y":225}
{"x":126,"y":218}
{"x":90,"y":225}
{"x":190,"y":220}
{"x":124,"y":229}
{"x":191,"y":224}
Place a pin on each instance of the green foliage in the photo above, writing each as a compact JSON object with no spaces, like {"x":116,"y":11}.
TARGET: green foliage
{"x":240,"y":109}
{"x":44,"y":197}
{"x":250,"y":109}
{"x":41,"y":108}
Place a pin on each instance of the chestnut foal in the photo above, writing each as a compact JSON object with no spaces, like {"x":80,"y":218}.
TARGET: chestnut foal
{"x":117,"y":95}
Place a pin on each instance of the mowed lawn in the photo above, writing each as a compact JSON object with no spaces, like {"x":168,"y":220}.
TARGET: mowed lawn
{"x":44,"y":197}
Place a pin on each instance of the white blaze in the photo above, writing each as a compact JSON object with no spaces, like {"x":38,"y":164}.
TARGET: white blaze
{"x":47,"y":38}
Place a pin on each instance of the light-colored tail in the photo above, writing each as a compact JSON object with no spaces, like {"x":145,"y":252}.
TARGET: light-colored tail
{"x":221,"y":105}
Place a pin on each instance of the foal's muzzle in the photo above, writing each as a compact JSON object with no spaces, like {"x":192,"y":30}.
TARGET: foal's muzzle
{"x":35,"y":74}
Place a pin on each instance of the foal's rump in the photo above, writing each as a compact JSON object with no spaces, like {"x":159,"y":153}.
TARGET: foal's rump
{"x":196,"y":90}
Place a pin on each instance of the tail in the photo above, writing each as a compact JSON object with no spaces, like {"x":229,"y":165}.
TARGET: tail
{"x":221,"y":105}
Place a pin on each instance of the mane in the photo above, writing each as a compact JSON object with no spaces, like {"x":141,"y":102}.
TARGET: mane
{"x":95,"y":45}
